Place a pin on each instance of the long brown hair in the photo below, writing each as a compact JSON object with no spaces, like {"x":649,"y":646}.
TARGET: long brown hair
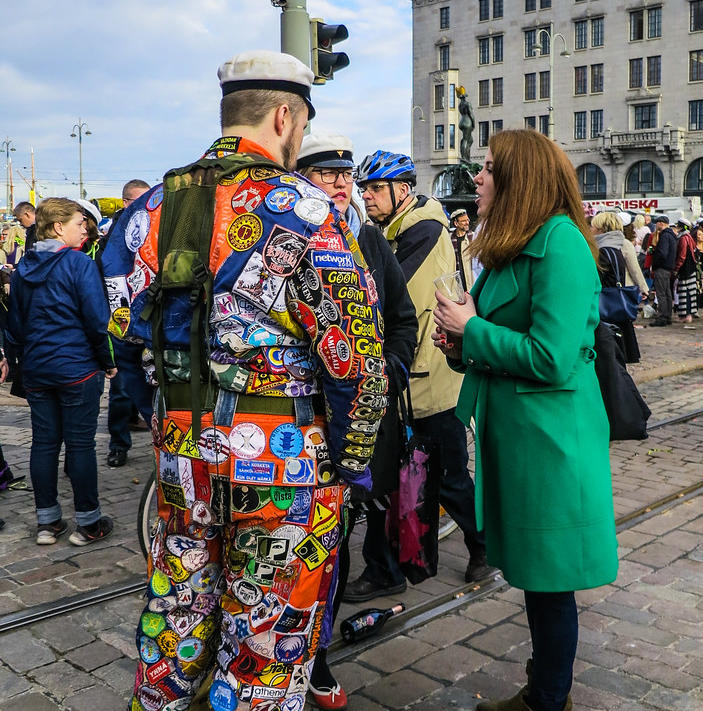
{"x":534,"y":180}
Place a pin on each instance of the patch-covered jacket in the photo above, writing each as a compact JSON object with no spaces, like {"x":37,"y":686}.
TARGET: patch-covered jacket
{"x":421,"y":243}
{"x":295,"y":309}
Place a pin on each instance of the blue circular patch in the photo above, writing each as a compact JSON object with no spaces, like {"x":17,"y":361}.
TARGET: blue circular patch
{"x":289,"y":648}
{"x":155,"y":199}
{"x":281,"y":199}
{"x":286,"y":441}
{"x":148,"y":650}
{"x":222,"y":697}
{"x":301,"y":502}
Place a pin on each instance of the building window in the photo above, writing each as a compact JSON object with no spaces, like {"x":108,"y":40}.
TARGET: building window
{"x":483,"y":89}
{"x":444,"y":57}
{"x":497,"y":48}
{"x":498,"y":90}
{"x":530,"y":37}
{"x":452,"y":136}
{"x":695,"y":65}
{"x":695,"y":115}
{"x":596,"y":78}
{"x":635,"y":73}
{"x":537,"y":39}
{"x":483,"y":133}
{"x":530,"y":122}
{"x":693,"y":182}
{"x":544,"y":85}
{"x":580,"y":80}
{"x":497,"y":9}
{"x":497,"y":125}
{"x":438,"y":97}
{"x":596,"y":123}
{"x":452,"y":96}
{"x":483,"y":10}
{"x":530,"y":86}
{"x":636,"y":25}
{"x":644,"y":177}
{"x":654,"y":22}
{"x":579,"y":125}
{"x":439,"y":137}
{"x":696,"y":15}
{"x":544,"y":4}
{"x":484,"y":50}
{"x":581,"y":34}
{"x":544,"y":124}
{"x":597,"y":32}
{"x":591,"y":181}
{"x":654,"y":71}
{"x":443,"y":18}
{"x":530,"y":5}
{"x":646,"y":116}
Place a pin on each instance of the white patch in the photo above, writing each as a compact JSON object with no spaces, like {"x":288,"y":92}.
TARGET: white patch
{"x":137,"y":230}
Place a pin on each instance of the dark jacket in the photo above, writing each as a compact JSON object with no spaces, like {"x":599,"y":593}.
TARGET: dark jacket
{"x":664,"y":254}
{"x":30,"y":237}
{"x":58,"y":316}
{"x":400,"y":339}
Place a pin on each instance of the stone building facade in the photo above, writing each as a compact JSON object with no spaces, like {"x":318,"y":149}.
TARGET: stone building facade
{"x":626,"y":80}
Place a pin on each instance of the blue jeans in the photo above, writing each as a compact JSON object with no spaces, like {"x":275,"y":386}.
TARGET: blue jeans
{"x":66,"y":414}
{"x":448,"y":436}
{"x":553,"y":620}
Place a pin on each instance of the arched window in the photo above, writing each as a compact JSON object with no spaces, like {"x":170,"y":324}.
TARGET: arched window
{"x":591,"y":181}
{"x":693,"y":182}
{"x":642,"y":178}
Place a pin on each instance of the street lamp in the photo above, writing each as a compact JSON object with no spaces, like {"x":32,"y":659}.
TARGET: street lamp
{"x":6,"y":146}
{"x":564,"y":53}
{"x":81,"y":127}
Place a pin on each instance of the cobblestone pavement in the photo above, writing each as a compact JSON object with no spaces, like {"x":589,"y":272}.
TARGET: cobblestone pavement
{"x":640,"y":644}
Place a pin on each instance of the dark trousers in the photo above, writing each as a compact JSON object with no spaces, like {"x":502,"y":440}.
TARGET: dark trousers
{"x":127,"y":390}
{"x":448,"y":436}
{"x":553,"y":621}
{"x":662,"y":287}
{"x":66,"y":415}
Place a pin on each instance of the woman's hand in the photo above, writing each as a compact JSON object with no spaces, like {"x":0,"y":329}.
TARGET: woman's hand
{"x":452,"y":317}
{"x":440,"y":340}
{"x":110,"y":373}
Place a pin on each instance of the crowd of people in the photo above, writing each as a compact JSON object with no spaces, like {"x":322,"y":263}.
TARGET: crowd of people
{"x":265,"y":318}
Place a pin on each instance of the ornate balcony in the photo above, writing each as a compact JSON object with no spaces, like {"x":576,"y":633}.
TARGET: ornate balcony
{"x":668,"y":142}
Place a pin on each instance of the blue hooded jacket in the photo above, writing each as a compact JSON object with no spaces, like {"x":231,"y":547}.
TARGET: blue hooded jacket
{"x":58,"y":316}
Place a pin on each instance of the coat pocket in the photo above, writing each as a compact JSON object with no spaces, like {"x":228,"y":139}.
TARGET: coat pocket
{"x":530,"y":386}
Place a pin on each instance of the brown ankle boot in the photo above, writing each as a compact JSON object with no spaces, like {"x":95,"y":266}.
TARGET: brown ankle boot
{"x":516,"y":703}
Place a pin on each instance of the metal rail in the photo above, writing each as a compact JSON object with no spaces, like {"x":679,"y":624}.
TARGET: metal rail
{"x":412,"y":617}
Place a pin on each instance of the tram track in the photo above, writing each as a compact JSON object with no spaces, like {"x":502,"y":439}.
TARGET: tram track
{"x":412,"y":617}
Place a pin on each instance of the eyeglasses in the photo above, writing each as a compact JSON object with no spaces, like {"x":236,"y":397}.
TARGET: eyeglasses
{"x":330,"y":175}
{"x":375,"y":187}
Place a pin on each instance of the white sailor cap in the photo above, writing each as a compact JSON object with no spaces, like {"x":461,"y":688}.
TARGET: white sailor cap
{"x":326,"y":150}
{"x":90,"y":209}
{"x":457,"y":213}
{"x":686,"y":223}
{"x":263,"y":69}
{"x":625,"y":218}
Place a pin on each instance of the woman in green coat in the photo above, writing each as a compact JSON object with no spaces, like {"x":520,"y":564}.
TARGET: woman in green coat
{"x":543,"y":486}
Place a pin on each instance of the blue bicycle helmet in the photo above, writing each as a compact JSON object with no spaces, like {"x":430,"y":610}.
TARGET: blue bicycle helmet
{"x":383,"y":165}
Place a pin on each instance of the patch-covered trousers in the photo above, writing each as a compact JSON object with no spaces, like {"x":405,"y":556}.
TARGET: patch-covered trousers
{"x":240,"y":602}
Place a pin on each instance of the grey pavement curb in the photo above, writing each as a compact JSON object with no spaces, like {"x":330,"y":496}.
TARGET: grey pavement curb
{"x":667,"y":371}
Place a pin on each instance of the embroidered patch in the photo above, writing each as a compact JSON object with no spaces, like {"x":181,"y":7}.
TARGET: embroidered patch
{"x":244,"y":232}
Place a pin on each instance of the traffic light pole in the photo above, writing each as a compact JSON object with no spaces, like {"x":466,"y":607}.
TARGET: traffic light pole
{"x":295,"y":30}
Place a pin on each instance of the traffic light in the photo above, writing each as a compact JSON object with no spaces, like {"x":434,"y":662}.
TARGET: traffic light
{"x":324,"y":62}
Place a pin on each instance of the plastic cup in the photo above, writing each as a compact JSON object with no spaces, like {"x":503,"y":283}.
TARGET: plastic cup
{"x":450,"y":285}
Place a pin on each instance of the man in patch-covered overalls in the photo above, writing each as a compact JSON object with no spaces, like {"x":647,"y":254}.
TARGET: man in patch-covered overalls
{"x":271,"y":389}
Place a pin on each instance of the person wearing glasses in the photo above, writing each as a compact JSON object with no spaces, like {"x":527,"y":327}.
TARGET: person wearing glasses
{"x":327,"y":161}
{"x":416,"y":229}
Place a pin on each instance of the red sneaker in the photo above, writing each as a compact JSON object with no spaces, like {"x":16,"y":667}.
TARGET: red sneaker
{"x":329,"y":699}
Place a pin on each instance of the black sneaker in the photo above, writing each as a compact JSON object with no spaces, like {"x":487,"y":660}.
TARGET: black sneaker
{"x":117,"y":458}
{"x":478,"y":569}
{"x":84,"y":535}
{"x":362,"y":589}
{"x":47,"y":533}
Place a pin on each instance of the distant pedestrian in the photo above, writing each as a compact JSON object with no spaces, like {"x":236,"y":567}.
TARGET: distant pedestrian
{"x":685,"y":271}
{"x":25,"y":213}
{"x":57,"y":320}
{"x":662,"y":248}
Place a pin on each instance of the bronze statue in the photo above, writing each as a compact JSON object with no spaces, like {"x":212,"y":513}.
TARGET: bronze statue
{"x":467,"y":122}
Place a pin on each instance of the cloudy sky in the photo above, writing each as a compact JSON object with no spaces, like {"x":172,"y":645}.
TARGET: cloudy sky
{"x":143,"y":76}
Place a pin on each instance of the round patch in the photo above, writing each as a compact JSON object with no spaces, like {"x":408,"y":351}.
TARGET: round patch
{"x":291,"y":532}
{"x":213,"y":445}
{"x":281,"y":199}
{"x":204,"y":580}
{"x":201,"y":513}
{"x":282,"y":497}
{"x":312,"y":210}
{"x":246,"y":499}
{"x":293,"y":703}
{"x":160,"y":584}
{"x":261,"y":173}
{"x":178,"y":544}
{"x":178,"y":572}
{"x":137,"y":230}
{"x":247,"y":592}
{"x":275,"y":675}
{"x":189,"y":649}
{"x":148,"y":650}
{"x":330,"y":539}
{"x":194,"y":559}
{"x":301,"y":502}
{"x":329,"y":310}
{"x":247,"y":440}
{"x":152,"y":624}
{"x":289,"y":648}
{"x":162,"y":604}
{"x":150,"y":698}
{"x":244,"y":232}
{"x":308,"y":190}
{"x":222,"y":697}
{"x":155,"y":199}
{"x":286,"y":441}
{"x":316,"y":443}
{"x":326,"y":473}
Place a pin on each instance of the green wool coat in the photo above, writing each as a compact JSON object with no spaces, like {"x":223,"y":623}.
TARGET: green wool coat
{"x":543,"y":487}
